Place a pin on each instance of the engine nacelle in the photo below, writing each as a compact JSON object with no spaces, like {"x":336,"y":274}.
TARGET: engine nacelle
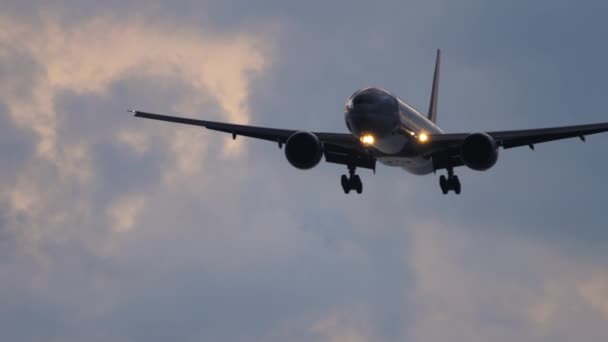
{"x":479,"y":151}
{"x":303,"y":150}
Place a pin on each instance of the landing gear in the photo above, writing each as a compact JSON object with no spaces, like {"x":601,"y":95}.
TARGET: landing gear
{"x":352,"y":181}
{"x":450,"y":183}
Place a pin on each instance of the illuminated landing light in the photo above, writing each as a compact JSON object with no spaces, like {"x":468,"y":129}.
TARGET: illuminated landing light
{"x":367,"y":139}
{"x":423,"y":137}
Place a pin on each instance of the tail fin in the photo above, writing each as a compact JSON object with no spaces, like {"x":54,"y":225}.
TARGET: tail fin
{"x":432,"y":115}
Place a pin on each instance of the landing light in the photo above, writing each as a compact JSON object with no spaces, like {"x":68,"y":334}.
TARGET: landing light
{"x":367,"y":139}
{"x":423,"y":137}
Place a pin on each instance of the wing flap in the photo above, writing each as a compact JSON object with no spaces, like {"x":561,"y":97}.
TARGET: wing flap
{"x":355,"y":159}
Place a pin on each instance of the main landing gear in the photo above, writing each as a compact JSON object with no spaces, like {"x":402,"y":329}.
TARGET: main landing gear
{"x":352,"y":181}
{"x":450,"y":183}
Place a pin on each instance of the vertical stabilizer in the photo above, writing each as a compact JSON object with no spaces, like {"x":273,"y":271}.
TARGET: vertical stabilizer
{"x":432,"y":115}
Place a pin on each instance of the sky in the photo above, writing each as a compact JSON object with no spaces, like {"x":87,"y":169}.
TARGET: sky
{"x":114,"y":228}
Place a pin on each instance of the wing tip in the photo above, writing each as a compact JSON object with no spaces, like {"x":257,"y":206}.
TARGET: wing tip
{"x":134,"y":112}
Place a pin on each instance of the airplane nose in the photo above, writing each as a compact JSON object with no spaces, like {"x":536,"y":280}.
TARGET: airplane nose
{"x":367,"y":123}
{"x":379,"y":121}
{"x":372,"y":111}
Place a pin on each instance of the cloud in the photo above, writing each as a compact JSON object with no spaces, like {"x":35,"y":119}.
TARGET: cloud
{"x":81,"y":172}
{"x":489,"y":286}
{"x":595,"y":292}
{"x":50,"y":61}
{"x":351,"y":325}
{"x":116,"y":228}
{"x":123,"y":213}
{"x":87,"y":58}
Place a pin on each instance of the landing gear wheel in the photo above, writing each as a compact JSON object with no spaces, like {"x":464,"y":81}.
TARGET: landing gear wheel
{"x":443,"y":183}
{"x":357,"y":184}
{"x":456,"y":185}
{"x":345,"y":184}
{"x":451,"y":182}
{"x":351,"y":182}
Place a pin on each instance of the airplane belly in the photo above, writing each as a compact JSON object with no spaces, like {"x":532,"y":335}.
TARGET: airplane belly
{"x":398,"y":145}
{"x":416,"y":165}
{"x":391,"y":144}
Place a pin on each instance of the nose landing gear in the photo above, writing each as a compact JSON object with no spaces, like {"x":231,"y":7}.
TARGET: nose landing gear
{"x":450,"y":183}
{"x":352,"y":181}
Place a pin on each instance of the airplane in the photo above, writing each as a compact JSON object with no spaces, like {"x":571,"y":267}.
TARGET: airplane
{"x":385,"y":129}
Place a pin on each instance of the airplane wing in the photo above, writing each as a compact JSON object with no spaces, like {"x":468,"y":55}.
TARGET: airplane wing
{"x":340,"y":148}
{"x":446,"y":147}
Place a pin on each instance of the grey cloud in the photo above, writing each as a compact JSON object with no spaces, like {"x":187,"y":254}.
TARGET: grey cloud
{"x":16,"y":144}
{"x":95,"y":120}
{"x":518,"y":290}
{"x":242,"y":248}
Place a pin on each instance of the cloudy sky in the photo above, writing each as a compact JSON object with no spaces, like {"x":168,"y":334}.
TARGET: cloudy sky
{"x":114,"y":228}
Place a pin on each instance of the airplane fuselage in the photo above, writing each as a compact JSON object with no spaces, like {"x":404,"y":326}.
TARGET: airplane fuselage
{"x":395,"y":126}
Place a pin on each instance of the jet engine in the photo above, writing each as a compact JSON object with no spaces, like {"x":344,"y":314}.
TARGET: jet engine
{"x":303,"y":150}
{"x":479,"y":151}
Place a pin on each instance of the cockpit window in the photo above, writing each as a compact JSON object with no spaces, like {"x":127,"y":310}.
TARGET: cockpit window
{"x":363,"y":99}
